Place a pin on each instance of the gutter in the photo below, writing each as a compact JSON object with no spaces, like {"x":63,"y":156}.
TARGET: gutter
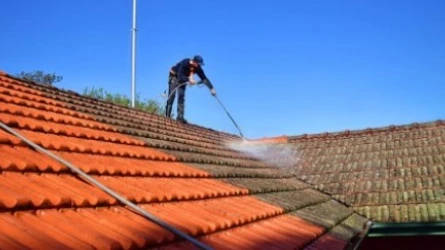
{"x":407,"y":229}
{"x":379,"y":230}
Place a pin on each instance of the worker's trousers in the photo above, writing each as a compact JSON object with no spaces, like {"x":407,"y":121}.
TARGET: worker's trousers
{"x":173,"y":84}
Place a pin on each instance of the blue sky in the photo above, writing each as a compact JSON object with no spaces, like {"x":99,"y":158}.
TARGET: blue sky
{"x":280,"y":67}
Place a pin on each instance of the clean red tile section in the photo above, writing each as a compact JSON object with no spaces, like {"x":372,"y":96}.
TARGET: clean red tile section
{"x":6,"y":138}
{"x":18,"y":106}
{"x":279,"y":139}
{"x":109,"y":165}
{"x":42,"y":205}
{"x":67,"y":129}
{"x":280,"y":232}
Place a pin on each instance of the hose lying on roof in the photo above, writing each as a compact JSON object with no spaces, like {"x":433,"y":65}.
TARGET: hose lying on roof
{"x":107,"y":190}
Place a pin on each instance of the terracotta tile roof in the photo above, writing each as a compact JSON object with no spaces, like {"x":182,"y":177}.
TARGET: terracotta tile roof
{"x":183,"y":174}
{"x":390,"y":174}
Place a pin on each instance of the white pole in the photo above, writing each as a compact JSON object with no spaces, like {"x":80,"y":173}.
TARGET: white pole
{"x":133,"y":54}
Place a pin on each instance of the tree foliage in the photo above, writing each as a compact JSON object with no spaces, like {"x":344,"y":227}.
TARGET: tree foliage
{"x":40,"y":77}
{"x":146,"y":105}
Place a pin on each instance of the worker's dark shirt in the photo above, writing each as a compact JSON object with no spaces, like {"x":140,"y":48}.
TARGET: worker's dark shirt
{"x":183,"y":69}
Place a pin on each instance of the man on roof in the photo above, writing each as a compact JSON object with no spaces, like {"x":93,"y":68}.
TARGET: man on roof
{"x":180,"y":76}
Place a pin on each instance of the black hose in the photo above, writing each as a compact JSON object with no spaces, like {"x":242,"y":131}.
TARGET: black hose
{"x":168,"y":97}
{"x":174,"y":90}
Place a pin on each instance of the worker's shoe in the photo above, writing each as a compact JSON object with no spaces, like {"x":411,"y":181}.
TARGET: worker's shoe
{"x":181,"y":120}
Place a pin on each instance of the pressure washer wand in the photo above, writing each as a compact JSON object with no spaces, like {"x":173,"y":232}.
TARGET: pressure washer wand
{"x":228,"y":114}
{"x":220,"y":103}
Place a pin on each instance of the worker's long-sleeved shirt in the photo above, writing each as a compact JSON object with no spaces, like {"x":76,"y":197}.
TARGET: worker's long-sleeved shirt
{"x":184,"y":69}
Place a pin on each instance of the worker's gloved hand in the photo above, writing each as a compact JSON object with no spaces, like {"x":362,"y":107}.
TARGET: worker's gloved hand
{"x":213,"y":92}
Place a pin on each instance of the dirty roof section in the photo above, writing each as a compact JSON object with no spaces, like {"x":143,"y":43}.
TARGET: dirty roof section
{"x":390,"y":174}
{"x":183,"y":174}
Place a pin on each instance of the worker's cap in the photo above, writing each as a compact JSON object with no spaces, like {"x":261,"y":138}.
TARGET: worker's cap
{"x":198,"y":59}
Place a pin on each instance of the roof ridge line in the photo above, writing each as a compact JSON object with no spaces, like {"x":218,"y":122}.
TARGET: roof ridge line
{"x":370,"y":130}
{"x":273,"y":139}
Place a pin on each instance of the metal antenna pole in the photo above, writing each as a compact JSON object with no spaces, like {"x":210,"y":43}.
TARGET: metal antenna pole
{"x":133,"y":55}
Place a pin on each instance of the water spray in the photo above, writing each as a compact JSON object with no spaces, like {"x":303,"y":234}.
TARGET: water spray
{"x":269,"y":153}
